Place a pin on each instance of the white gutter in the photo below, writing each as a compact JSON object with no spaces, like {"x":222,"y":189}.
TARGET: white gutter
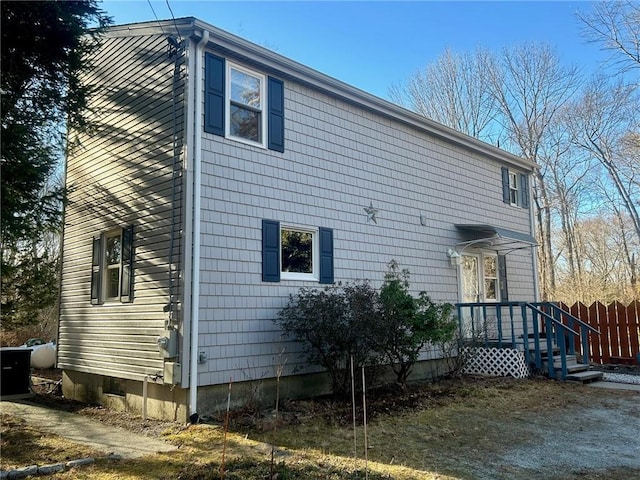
{"x":197,"y":187}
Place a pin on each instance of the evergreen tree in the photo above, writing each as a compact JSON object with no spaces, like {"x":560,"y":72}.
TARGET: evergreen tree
{"x":45,"y":48}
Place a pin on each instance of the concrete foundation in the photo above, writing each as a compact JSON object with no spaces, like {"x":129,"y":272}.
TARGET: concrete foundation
{"x":167,"y":403}
{"x":163,"y":401}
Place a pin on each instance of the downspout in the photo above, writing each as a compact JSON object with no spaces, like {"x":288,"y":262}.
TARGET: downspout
{"x":197,"y":181}
{"x":534,"y":253}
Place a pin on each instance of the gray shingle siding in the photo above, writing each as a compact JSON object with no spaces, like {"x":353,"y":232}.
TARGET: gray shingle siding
{"x":344,"y":150}
{"x":339,"y":158}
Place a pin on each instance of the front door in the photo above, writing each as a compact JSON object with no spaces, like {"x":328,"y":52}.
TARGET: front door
{"x":479,"y":283}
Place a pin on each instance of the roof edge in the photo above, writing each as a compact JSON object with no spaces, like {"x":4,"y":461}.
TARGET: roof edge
{"x":222,"y":39}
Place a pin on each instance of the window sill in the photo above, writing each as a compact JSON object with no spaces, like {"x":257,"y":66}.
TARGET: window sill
{"x":244,"y":141}
{"x":298,"y":276}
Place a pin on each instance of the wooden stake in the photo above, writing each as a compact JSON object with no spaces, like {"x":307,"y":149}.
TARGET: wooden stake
{"x":353,"y":403}
{"x":364,"y":413}
{"x":275,"y":425}
{"x":226,"y":429}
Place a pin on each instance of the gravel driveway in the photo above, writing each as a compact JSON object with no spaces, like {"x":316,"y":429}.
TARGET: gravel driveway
{"x":606,"y":437}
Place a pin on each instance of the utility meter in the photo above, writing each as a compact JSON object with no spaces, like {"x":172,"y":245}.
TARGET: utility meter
{"x":168,"y":344}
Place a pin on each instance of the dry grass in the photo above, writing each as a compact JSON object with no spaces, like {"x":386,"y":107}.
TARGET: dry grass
{"x":22,"y":445}
{"x":453,"y":427}
{"x":441,"y":431}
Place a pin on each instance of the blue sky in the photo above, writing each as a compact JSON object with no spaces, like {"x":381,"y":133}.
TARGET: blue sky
{"x":374,"y":44}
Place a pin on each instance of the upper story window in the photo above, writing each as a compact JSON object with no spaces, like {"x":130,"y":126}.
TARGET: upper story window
{"x":515,"y":188}
{"x":245,"y":104}
{"x":112,"y":267}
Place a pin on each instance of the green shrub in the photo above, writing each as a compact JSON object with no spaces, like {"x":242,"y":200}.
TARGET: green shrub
{"x":331,"y":321}
{"x":375,"y":328}
{"x":406,"y":324}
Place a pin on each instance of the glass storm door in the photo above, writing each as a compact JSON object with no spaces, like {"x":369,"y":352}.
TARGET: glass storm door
{"x":479,"y":283}
{"x":470,"y":275}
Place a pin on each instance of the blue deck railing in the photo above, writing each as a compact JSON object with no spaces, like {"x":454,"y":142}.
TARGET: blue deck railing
{"x":525,"y":326}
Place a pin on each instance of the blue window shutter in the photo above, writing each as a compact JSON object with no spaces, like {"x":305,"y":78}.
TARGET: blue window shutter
{"x":524,"y":190}
{"x":270,"y":251}
{"x":96,"y":271}
{"x":326,"y":255}
{"x":276,"y":114}
{"x":505,"y":185}
{"x":502,"y":278}
{"x":126,"y":280}
{"x":214,"y":76}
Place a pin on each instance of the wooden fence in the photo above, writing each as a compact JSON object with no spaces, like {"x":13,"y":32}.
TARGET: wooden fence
{"x":619,"y":326}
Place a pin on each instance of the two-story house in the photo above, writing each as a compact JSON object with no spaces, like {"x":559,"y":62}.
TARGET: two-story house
{"x":207,"y":151}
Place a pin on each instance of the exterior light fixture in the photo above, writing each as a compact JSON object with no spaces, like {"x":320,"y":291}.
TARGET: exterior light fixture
{"x":454,"y":257}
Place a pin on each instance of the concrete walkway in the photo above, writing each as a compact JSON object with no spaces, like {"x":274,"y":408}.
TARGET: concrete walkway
{"x":86,"y":431}
{"x":616,"y":385}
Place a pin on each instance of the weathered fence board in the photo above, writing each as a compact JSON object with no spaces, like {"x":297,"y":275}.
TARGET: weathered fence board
{"x":619,"y":327}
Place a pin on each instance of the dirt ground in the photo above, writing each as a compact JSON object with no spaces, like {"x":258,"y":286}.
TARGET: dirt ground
{"x":462,"y":428}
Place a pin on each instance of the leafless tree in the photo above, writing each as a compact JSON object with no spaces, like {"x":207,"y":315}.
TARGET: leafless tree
{"x":604,"y":119}
{"x":452,"y":91}
{"x":584,"y":139}
{"x":566,"y":171}
{"x":616,"y":27}
{"x":530,"y":86}
{"x":606,"y":274}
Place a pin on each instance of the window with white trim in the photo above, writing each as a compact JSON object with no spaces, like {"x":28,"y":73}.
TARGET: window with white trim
{"x":242,"y":104}
{"x":245,"y":104}
{"x":490,"y":272}
{"x":291,"y":252}
{"x":112,"y":267}
{"x":299,"y":251}
{"x":513,"y":188}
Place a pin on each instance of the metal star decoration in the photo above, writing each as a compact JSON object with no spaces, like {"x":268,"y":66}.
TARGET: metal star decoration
{"x":371,"y":213}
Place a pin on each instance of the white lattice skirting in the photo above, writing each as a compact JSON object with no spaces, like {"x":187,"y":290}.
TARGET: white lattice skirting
{"x":495,"y":362}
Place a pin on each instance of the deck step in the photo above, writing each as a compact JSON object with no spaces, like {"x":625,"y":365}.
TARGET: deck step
{"x":585,"y":376}
{"x":572,"y":367}
{"x":557,"y":360}
{"x":543,"y":350}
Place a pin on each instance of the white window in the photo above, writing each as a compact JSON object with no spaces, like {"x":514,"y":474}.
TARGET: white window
{"x":245,"y":105}
{"x":513,"y":188}
{"x":299,"y":253}
{"x":112,"y":266}
{"x":479,"y":277}
{"x":112,"y":263}
{"x":490,"y":272}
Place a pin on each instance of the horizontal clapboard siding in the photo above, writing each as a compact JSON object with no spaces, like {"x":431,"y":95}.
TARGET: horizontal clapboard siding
{"x":123,"y":173}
